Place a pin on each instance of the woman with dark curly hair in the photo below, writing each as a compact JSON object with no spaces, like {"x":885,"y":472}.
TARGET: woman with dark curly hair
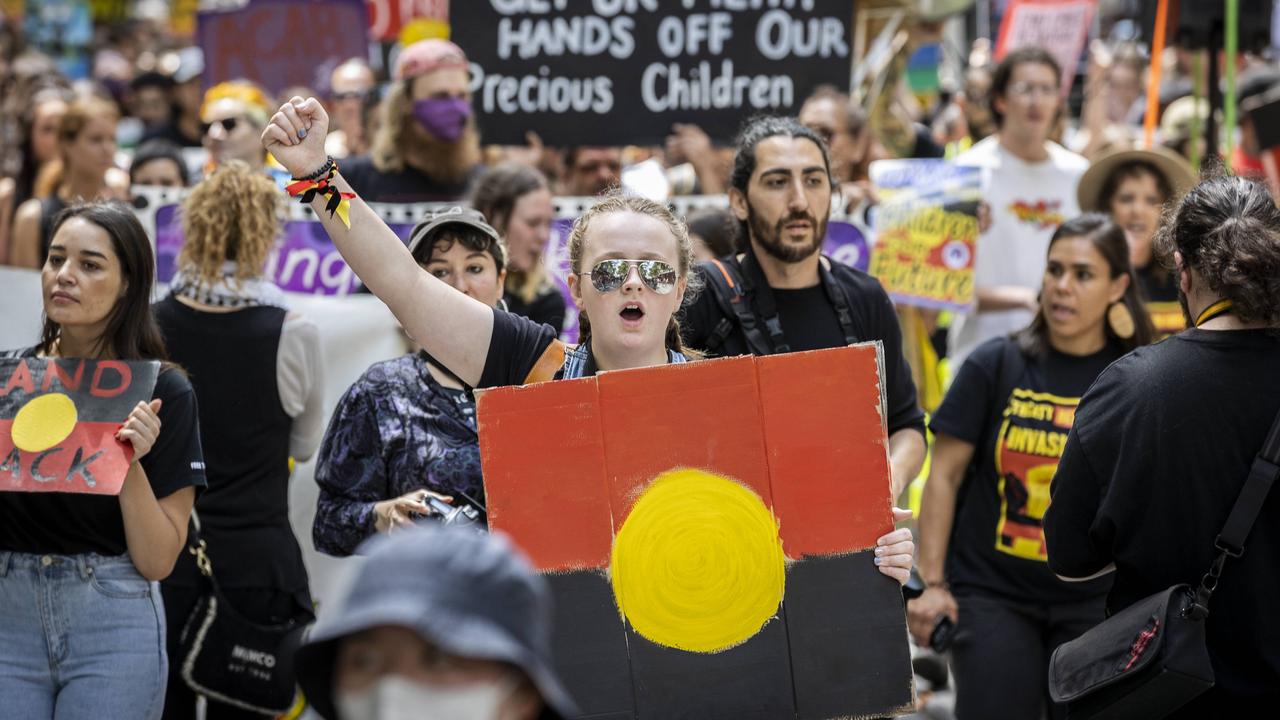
{"x":1163,"y":441}
{"x":257,"y":372}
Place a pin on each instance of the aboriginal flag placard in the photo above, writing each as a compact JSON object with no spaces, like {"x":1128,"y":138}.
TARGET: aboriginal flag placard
{"x":58,"y":420}
{"x":708,"y":530}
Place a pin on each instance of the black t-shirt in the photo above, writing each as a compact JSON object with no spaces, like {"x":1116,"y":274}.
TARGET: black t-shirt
{"x":406,"y":186}
{"x":809,"y":323}
{"x":547,"y":308}
{"x":997,"y":542}
{"x":809,"y":319}
{"x":72,"y":523}
{"x":515,"y":348}
{"x":1161,"y":446}
{"x":1159,"y":289}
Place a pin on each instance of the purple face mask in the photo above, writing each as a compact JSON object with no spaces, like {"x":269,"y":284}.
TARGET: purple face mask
{"x":444,"y":118}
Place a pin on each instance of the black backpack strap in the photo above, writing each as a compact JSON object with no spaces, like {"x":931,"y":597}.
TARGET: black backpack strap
{"x":839,"y":300}
{"x":1230,"y":542}
{"x":756,"y":286}
{"x":729,"y":288}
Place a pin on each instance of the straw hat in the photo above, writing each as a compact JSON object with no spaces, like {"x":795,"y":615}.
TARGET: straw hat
{"x":1176,"y":170}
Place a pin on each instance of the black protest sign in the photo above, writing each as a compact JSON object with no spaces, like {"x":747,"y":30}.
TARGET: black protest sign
{"x":58,"y":420}
{"x":621,"y":72}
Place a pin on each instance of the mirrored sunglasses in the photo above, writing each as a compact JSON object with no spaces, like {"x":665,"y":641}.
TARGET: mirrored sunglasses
{"x":609,"y":275}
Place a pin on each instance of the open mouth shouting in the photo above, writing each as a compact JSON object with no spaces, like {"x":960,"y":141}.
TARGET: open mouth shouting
{"x":632,"y":314}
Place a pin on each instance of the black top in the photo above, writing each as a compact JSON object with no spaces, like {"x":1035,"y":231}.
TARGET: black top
{"x":1017,"y":420}
{"x":809,"y":323}
{"x":72,"y":523}
{"x":407,"y":186}
{"x":231,"y":360}
{"x":50,"y":207}
{"x":548,"y":307}
{"x":1159,"y":290}
{"x":515,"y":347}
{"x":1160,"y":449}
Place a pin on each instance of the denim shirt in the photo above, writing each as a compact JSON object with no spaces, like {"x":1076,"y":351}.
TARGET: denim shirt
{"x":394,"y":431}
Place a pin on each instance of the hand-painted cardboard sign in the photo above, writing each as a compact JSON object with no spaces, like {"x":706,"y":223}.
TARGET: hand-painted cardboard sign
{"x":708,"y":530}
{"x":58,"y":420}
{"x":282,"y":43}
{"x":926,"y":231}
{"x":1059,"y":26}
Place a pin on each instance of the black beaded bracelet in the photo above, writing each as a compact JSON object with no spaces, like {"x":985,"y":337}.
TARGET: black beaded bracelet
{"x":329,"y":165}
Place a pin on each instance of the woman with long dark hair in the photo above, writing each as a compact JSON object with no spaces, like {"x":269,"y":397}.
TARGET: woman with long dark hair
{"x":998,"y":435}
{"x":1163,"y":441}
{"x":81,"y":620}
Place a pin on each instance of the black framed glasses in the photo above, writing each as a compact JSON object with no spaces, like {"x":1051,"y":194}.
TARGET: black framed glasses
{"x":658,"y":276}
{"x":228,"y":125}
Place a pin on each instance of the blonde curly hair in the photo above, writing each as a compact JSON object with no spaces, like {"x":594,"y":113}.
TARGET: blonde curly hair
{"x":235,"y":214}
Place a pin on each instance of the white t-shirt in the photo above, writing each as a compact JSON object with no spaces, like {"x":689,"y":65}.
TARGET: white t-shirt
{"x":1028,"y":201}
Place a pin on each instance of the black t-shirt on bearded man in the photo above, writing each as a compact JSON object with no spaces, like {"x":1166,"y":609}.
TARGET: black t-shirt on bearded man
{"x":74,"y":523}
{"x":997,"y":541}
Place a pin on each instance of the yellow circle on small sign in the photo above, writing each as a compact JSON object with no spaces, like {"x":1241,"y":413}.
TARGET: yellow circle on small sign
{"x":423,"y":29}
{"x":698,"y":563}
{"x":44,"y":422}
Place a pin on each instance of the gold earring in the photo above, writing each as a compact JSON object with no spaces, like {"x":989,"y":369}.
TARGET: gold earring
{"x":1120,"y":320}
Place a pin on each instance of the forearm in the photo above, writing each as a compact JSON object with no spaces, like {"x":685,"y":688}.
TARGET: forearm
{"x":1005,"y":297}
{"x":451,"y":326}
{"x":341,"y":524}
{"x":906,"y":457}
{"x":937,"y":516}
{"x":154,"y":537}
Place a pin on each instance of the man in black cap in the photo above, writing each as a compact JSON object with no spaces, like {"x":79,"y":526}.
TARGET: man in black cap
{"x":782,"y":295}
{"x":441,"y":624}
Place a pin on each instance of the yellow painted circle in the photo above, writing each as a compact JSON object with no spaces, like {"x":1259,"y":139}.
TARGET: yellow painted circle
{"x":423,"y":29}
{"x":698,"y":564}
{"x":44,"y":422}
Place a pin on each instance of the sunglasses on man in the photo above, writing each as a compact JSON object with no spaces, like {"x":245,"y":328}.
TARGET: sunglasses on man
{"x":228,"y":125}
{"x":658,"y":276}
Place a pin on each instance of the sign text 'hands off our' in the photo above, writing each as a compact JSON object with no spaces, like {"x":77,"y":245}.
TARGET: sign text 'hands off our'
{"x":621,"y":72}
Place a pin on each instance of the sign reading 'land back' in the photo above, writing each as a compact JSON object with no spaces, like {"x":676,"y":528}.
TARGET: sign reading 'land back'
{"x":615,"y":72}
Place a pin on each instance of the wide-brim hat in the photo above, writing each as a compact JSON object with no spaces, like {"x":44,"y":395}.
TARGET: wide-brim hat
{"x":470,"y":594}
{"x":1175,"y":168}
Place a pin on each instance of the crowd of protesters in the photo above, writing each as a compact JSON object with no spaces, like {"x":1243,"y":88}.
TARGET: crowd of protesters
{"x":1108,"y":387}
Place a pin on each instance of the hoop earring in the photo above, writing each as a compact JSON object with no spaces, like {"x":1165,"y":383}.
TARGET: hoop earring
{"x":1120,"y":320}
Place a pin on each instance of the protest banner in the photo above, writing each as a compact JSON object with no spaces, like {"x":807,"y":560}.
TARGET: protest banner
{"x":1061,"y":27}
{"x":926,"y":231}
{"x":306,"y":261}
{"x":726,"y":572}
{"x":282,"y":43}
{"x":406,"y":21}
{"x":58,"y":419}
{"x":621,"y":72}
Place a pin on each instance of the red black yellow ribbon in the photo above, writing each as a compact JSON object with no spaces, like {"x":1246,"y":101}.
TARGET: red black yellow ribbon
{"x":339,"y":202}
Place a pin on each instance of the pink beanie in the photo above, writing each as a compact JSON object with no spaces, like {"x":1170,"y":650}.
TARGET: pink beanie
{"x":427,"y":56}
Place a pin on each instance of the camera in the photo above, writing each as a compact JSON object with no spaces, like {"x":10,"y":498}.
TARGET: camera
{"x":460,"y":515}
{"x":944,"y":631}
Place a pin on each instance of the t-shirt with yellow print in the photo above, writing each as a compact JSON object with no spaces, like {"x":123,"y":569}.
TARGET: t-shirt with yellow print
{"x":1017,"y":418}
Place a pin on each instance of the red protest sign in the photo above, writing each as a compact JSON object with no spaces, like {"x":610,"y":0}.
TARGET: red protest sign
{"x":58,"y":419}
{"x":388,"y":18}
{"x":707,"y":530}
{"x":1061,"y":27}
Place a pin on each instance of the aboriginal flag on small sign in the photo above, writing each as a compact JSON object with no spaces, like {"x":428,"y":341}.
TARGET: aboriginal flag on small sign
{"x":708,"y":530}
{"x":58,"y":420}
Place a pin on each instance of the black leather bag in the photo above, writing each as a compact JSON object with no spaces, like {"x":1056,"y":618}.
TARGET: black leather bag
{"x":234,"y":660}
{"x":1150,"y":659}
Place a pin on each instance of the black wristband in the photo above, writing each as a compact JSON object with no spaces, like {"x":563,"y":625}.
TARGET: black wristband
{"x":329,"y":165}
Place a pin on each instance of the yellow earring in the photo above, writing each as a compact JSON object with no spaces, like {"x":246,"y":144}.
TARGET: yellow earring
{"x":1120,"y":320}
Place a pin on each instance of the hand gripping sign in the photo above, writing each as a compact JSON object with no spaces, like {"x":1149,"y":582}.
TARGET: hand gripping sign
{"x":708,"y":531}
{"x":58,"y":420}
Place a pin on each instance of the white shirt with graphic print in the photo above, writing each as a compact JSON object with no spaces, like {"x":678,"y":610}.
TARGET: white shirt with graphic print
{"x":1028,"y":201}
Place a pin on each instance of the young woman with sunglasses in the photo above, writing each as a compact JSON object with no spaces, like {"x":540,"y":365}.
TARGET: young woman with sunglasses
{"x":629,"y":274}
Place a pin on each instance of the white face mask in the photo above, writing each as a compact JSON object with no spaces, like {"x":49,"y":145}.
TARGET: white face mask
{"x":396,"y":698}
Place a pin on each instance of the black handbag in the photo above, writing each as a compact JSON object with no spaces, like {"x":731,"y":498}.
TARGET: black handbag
{"x":234,"y":660}
{"x":1150,"y":659}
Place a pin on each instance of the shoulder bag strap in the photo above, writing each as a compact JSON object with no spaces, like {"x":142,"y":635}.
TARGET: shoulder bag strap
{"x":756,"y":286}
{"x":1230,"y":542}
{"x":839,"y":302}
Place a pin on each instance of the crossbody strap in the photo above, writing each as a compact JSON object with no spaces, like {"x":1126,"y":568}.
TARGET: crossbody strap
{"x":1230,"y":542}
